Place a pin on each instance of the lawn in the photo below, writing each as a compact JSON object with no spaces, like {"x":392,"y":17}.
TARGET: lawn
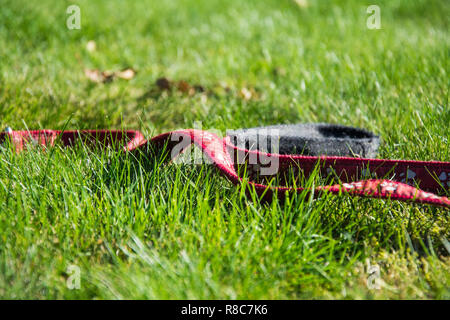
{"x":133,"y":229}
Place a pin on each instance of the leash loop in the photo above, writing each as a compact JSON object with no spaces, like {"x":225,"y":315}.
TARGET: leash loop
{"x":432,"y":177}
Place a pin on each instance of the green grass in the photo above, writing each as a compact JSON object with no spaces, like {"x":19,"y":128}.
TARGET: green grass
{"x":138,"y":230}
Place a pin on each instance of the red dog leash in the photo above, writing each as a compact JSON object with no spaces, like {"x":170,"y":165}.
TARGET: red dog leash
{"x":432,"y":177}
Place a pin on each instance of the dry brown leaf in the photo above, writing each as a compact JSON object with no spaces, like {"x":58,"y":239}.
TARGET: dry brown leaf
{"x":126,"y":74}
{"x":183,"y":86}
{"x":98,"y":76}
{"x":163,"y":83}
{"x":94,"y":75}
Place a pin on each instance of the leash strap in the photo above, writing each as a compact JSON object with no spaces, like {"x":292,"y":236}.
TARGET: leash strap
{"x":392,"y":179}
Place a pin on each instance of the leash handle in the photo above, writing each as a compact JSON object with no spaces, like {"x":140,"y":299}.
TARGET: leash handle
{"x":129,"y":139}
{"x":432,"y":176}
